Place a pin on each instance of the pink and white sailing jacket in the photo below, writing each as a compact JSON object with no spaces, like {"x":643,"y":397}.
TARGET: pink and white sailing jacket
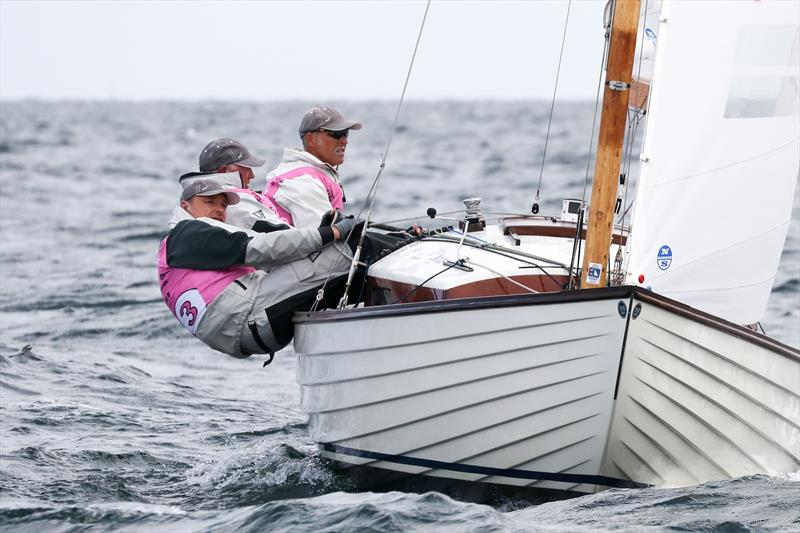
{"x":302,"y":188}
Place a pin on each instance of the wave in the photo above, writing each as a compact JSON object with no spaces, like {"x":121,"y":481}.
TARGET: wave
{"x":788,"y":286}
{"x":61,"y":304}
{"x":260,"y":474}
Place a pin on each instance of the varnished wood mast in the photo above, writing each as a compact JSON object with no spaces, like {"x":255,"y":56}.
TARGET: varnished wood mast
{"x":610,"y":138}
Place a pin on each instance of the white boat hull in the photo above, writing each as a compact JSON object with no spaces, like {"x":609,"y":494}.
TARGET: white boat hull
{"x":699,"y":403}
{"x":558,"y":391}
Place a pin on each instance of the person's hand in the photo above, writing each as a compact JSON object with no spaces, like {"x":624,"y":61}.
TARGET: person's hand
{"x":330,"y":217}
{"x":414,"y":230}
{"x":343,"y":228}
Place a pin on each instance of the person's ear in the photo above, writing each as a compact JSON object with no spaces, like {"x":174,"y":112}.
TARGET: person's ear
{"x":184,"y":205}
{"x":309,"y":139}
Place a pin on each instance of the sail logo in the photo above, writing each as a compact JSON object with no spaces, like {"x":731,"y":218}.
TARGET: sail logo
{"x":649,"y":44}
{"x":664,"y":259}
{"x":593,"y":273}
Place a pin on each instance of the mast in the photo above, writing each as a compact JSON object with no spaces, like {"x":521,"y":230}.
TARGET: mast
{"x":609,"y":144}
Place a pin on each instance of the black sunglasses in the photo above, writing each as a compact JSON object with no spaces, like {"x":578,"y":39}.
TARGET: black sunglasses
{"x":337,"y":134}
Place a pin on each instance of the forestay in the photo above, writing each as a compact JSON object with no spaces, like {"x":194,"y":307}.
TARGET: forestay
{"x":720,"y":154}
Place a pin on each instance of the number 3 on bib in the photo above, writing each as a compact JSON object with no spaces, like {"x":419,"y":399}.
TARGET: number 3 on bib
{"x":189,"y":309}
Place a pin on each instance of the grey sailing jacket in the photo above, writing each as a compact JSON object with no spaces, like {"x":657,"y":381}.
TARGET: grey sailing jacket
{"x":198,"y":254}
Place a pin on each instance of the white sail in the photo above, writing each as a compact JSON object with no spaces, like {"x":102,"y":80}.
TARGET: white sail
{"x":720,"y":155}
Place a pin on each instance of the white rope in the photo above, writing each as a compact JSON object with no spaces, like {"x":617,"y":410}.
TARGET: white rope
{"x":461,"y":241}
{"x":499,"y":274}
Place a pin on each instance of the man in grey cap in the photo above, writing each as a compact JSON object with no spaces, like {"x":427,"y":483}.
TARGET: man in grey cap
{"x":229,"y":155}
{"x":305,"y":184}
{"x":233,"y":163}
{"x":237,"y":289}
{"x":207,"y":198}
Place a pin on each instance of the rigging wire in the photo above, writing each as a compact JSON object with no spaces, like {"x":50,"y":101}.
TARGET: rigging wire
{"x":579,"y":226}
{"x":529,"y":263}
{"x":371,"y":195}
{"x":607,"y":24}
{"x":552,"y":108}
{"x":369,"y":202}
{"x":510,"y":280}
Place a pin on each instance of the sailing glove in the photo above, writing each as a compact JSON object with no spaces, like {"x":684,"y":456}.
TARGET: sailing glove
{"x":346,"y":225}
{"x":330,"y":217}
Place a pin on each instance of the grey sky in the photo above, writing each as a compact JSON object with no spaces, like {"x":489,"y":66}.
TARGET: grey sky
{"x":278,"y":50}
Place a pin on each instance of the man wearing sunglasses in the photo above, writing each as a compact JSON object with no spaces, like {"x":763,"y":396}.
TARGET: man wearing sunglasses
{"x":305,"y":185}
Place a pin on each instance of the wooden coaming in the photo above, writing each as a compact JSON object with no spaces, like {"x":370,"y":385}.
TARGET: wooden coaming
{"x":567,"y":232}
{"x":397,"y":292}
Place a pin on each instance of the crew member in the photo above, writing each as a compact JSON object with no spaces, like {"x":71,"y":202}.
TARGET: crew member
{"x":237,"y":289}
{"x":233,"y":165}
{"x":305,"y":184}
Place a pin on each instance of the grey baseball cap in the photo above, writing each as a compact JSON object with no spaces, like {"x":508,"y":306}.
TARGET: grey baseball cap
{"x":322,"y":117}
{"x":226,"y":179}
{"x":208,"y":187}
{"x":221,"y":152}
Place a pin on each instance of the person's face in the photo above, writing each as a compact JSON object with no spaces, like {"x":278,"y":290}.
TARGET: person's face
{"x":326,"y":146}
{"x":207,"y":206}
{"x":245,"y":173}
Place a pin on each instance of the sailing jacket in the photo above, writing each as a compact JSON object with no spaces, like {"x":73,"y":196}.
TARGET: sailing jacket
{"x":303,"y":188}
{"x":201,"y":259}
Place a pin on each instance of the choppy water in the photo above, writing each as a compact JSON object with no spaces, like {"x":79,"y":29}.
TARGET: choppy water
{"x":113,"y":418}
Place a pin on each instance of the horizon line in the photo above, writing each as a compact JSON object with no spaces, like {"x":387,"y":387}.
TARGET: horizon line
{"x":145,"y":100}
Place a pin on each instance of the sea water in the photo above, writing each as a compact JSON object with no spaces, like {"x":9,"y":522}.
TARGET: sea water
{"x":114,"y":418}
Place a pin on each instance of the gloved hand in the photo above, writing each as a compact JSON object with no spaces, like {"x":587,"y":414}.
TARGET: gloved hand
{"x":346,"y":225}
{"x":334,"y":215}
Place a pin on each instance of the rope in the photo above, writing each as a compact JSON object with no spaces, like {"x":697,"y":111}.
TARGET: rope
{"x":412,"y":219}
{"x":399,"y":300}
{"x":459,"y":262}
{"x":461,"y":240}
{"x":552,"y":105}
{"x":540,"y":267}
{"x":498,"y":249}
{"x":500,"y":274}
{"x":321,"y":291}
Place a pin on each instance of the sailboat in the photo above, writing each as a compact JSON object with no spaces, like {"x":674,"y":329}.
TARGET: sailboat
{"x":477,"y":358}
